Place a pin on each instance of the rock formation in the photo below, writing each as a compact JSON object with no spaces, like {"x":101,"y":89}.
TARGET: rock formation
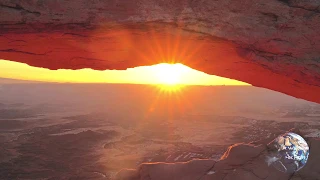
{"x":240,"y":161}
{"x":273,"y":44}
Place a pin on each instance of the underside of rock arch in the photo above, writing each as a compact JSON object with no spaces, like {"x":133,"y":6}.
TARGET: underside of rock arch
{"x":273,"y":44}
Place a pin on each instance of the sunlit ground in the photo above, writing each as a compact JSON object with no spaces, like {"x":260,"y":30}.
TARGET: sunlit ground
{"x":169,"y":75}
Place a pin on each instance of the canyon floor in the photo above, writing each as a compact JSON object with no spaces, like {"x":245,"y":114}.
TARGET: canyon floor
{"x":74,"y":132}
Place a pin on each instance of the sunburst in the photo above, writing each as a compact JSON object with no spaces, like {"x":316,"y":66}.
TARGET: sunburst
{"x":169,"y":74}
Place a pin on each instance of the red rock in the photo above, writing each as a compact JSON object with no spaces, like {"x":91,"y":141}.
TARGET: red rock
{"x":164,"y":171}
{"x":273,"y":44}
{"x":126,"y":174}
{"x":241,"y":162}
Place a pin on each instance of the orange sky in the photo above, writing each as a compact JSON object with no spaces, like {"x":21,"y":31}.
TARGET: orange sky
{"x":156,"y":74}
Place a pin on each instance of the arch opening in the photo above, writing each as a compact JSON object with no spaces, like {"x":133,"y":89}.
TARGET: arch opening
{"x":161,"y":74}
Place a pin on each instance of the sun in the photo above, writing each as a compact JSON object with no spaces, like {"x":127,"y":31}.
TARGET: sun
{"x":169,"y":74}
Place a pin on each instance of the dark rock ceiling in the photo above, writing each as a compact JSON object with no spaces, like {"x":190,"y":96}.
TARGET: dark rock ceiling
{"x":273,"y":44}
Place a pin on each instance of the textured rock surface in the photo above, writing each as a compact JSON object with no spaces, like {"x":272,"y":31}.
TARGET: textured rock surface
{"x":241,"y":162}
{"x":273,"y":44}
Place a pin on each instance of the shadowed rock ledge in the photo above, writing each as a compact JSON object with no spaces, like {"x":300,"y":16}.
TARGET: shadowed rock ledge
{"x":240,"y":161}
{"x":273,"y":44}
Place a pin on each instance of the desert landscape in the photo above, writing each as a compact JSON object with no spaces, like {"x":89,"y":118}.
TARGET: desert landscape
{"x":92,"y":131}
{"x":70,"y":130}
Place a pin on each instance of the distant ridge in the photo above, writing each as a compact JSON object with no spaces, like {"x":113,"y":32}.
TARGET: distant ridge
{"x":18,"y":81}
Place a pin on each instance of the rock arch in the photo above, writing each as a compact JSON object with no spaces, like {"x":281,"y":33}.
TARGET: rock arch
{"x":273,"y":44}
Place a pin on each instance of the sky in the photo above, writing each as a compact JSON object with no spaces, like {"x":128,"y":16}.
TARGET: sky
{"x":156,"y":74}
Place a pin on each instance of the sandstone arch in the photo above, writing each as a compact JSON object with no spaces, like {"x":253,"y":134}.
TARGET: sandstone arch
{"x":273,"y":44}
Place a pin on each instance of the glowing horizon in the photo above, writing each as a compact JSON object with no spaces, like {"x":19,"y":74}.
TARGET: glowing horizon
{"x":170,"y":74}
